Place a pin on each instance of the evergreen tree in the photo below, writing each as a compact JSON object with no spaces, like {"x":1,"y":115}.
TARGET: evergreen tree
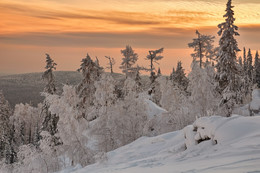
{"x":6,"y":132}
{"x":227,"y":69}
{"x":180,"y":79}
{"x":240,"y":62}
{"x":250,"y":66}
{"x":203,"y":47}
{"x":129,"y":59}
{"x":257,"y":69}
{"x":91,"y":72}
{"x":246,"y":85}
{"x":172,"y":75}
{"x":153,"y":58}
{"x":48,"y":75}
{"x":244,"y":60}
{"x":50,"y":120}
{"x":137,"y":78}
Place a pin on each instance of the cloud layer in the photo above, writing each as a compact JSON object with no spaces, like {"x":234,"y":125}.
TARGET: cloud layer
{"x":112,"y":24}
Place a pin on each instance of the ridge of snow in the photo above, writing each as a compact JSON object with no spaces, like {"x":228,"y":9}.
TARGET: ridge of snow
{"x":237,"y":149}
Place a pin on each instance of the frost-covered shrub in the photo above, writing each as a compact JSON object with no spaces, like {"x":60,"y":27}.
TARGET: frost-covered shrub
{"x":72,"y":126}
{"x":27,"y":123}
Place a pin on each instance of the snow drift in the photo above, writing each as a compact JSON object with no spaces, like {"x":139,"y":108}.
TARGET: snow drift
{"x":211,"y":144}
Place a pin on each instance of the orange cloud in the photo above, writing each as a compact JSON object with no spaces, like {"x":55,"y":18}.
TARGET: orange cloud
{"x":69,"y":29}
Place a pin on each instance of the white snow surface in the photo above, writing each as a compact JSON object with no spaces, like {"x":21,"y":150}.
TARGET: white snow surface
{"x":233,"y":146}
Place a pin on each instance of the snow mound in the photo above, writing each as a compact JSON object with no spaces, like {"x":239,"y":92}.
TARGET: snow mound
{"x":211,"y":144}
{"x":221,"y":130}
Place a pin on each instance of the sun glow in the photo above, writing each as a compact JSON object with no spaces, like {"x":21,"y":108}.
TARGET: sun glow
{"x":114,"y":23}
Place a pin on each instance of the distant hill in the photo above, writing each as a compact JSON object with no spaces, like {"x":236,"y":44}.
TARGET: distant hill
{"x":26,"y":88}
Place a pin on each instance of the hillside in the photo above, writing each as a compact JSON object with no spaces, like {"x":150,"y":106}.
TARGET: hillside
{"x":26,"y":88}
{"x":234,"y":146}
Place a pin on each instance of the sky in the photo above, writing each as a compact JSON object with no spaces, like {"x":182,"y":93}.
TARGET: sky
{"x":68,"y":30}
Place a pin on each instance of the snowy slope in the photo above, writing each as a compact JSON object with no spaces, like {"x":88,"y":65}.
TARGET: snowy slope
{"x":237,"y":150}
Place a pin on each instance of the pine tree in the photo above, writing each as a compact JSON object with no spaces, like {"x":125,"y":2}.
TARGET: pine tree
{"x":172,"y":75}
{"x":244,"y":60}
{"x":153,"y":58}
{"x":228,"y":76}
{"x":203,"y":47}
{"x":137,"y":78}
{"x":50,"y":120}
{"x":246,"y":85}
{"x":250,"y":66}
{"x":240,"y":62}
{"x":10,"y":152}
{"x":48,"y":75}
{"x":180,"y":79}
{"x":91,"y":72}
{"x":6,"y":132}
{"x":129,"y":59}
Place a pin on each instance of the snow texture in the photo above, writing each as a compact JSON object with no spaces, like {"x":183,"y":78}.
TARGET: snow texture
{"x":232,"y":145}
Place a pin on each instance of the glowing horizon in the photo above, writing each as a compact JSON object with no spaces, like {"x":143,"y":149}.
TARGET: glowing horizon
{"x":49,"y":26}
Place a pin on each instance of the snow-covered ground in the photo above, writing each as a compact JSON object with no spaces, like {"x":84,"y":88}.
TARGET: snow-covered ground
{"x":234,"y":146}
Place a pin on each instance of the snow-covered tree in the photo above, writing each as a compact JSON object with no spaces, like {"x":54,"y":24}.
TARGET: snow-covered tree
{"x":50,"y":120}
{"x":250,"y":65}
{"x":175,"y":101}
{"x":172,"y":75}
{"x":105,"y":91}
{"x":138,"y":78}
{"x":245,"y":60}
{"x":133,"y":113}
{"x":257,"y":70}
{"x":128,"y":60}
{"x":111,"y":63}
{"x":91,"y":73}
{"x":240,"y":62}
{"x":105,"y":96}
{"x":203,"y":47}
{"x":7,"y":150}
{"x":120,"y":123}
{"x":203,"y":98}
{"x":72,"y":127}
{"x":48,"y":75}
{"x":246,"y":84}
{"x":228,"y":77}
{"x":101,"y":112}
{"x":179,"y":77}
{"x":27,"y":122}
{"x":153,"y":57}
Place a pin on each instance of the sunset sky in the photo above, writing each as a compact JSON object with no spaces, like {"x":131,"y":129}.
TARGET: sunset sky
{"x":69,"y":29}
